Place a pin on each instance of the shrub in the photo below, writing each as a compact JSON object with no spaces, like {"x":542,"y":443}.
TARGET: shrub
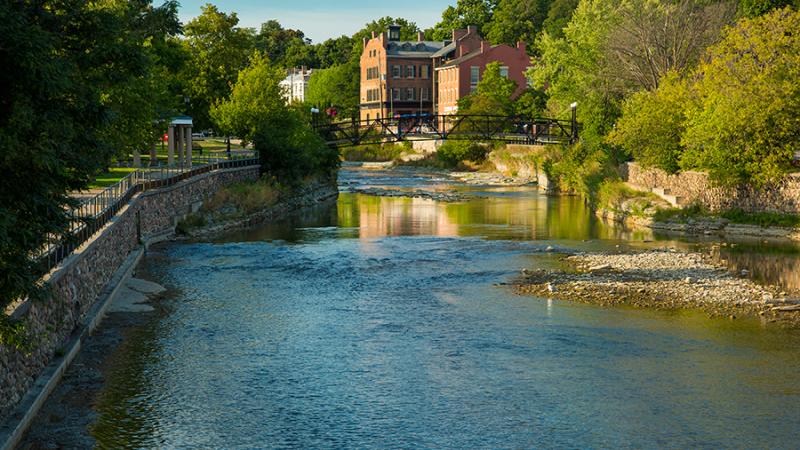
{"x":453,"y":152}
{"x":653,"y":123}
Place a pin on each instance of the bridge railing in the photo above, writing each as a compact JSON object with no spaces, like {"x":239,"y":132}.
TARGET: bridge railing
{"x":475,"y":127}
{"x":93,"y":213}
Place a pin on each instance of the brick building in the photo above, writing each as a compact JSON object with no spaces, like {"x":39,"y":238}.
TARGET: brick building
{"x":428,"y":77}
{"x":460,"y":66}
{"x":397,"y":76}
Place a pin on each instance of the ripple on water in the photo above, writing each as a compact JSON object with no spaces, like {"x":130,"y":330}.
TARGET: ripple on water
{"x":326,"y":339}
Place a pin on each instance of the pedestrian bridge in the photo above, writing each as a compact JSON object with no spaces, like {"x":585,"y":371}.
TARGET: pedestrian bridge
{"x":509,"y":129}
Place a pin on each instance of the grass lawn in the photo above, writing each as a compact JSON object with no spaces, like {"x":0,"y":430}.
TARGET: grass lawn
{"x":109,"y":178}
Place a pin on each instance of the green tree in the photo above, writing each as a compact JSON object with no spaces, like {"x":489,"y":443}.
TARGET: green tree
{"x":333,"y":52}
{"x":653,"y":123}
{"x":754,"y":8}
{"x":494,"y":94}
{"x":285,"y":47}
{"x":72,"y":75}
{"x":517,"y":20}
{"x":255,"y":98}
{"x":745,"y":125}
{"x":654,"y":37}
{"x":574,"y":69}
{"x":463,"y":14}
{"x":289,"y":149}
{"x":218,"y":50}
{"x":337,"y":87}
{"x":558,"y":16}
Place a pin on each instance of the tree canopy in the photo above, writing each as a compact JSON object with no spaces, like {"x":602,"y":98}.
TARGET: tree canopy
{"x":78,"y":82}
{"x":218,"y":49}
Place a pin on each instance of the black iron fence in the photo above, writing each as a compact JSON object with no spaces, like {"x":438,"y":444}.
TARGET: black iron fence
{"x":94,"y":213}
{"x":511,"y":129}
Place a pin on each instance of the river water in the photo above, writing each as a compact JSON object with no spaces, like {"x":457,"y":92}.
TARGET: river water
{"x":381,"y":322}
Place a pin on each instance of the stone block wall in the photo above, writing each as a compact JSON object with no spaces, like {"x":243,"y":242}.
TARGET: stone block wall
{"x":76,"y":284}
{"x":695,"y":187}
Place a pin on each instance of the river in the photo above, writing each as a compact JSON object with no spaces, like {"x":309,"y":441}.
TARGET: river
{"x":379,"y":322}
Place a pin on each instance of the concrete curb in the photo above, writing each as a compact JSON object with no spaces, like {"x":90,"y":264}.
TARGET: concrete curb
{"x":13,"y":430}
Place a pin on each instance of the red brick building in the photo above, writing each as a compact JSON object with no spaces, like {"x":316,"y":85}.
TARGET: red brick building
{"x":428,"y":77}
{"x":460,"y":66}
{"x":396,"y":76}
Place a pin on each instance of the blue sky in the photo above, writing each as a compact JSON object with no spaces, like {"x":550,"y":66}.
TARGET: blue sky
{"x":321,"y":19}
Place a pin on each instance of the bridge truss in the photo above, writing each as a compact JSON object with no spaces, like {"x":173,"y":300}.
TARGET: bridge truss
{"x":516,"y":130}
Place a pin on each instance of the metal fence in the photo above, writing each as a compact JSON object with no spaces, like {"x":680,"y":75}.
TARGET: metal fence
{"x":94,"y":213}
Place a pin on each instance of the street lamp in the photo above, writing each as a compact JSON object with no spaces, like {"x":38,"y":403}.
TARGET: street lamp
{"x":314,"y":112}
{"x":574,"y":107}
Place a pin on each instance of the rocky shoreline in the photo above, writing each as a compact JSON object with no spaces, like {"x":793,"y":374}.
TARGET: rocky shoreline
{"x":662,"y":279}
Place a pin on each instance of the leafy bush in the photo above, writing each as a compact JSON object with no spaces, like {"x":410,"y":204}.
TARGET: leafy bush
{"x":653,"y":123}
{"x":616,"y":196}
{"x":580,"y":168}
{"x":375,"y":152}
{"x":290,"y":150}
{"x":452,"y":152}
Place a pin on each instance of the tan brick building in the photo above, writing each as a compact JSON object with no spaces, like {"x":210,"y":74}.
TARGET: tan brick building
{"x":397,"y":76}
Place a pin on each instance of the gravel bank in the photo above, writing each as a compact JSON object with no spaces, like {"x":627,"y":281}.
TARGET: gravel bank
{"x":660,"y":279}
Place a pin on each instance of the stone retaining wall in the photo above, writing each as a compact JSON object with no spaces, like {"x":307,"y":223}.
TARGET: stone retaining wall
{"x":315,"y":193}
{"x":75,"y":285}
{"x":695,"y":187}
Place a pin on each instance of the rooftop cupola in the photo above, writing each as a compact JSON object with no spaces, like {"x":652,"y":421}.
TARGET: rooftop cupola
{"x":394,"y":32}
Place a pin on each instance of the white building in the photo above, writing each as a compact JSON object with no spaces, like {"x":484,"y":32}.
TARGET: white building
{"x":295,"y":84}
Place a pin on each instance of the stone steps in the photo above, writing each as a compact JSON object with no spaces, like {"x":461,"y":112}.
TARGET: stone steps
{"x":674,"y":200}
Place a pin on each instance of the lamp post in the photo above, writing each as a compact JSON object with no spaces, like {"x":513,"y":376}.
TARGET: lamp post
{"x":574,"y":107}
{"x":314,"y":113}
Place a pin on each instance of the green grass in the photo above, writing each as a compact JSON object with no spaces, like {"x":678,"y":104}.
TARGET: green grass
{"x":111,"y":177}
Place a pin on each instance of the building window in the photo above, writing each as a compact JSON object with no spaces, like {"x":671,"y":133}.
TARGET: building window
{"x":474,"y":77}
{"x":410,"y":93}
{"x":425,"y":93}
{"x":424,"y":72}
{"x":396,"y":71}
{"x":411,"y":71}
{"x":504,"y":71}
{"x":395,"y":94}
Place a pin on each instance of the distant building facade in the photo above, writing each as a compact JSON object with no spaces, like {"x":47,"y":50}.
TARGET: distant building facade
{"x":428,"y":77}
{"x":295,"y":84}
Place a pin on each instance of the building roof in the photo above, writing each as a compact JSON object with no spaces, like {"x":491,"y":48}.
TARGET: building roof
{"x":412,"y":48}
{"x":444,"y":51}
{"x":459,"y":60}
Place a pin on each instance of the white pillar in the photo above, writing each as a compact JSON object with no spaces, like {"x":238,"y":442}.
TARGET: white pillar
{"x":171,"y":145}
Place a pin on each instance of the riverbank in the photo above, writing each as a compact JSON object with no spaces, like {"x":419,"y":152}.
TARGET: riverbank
{"x":71,"y":407}
{"x":662,"y":279}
